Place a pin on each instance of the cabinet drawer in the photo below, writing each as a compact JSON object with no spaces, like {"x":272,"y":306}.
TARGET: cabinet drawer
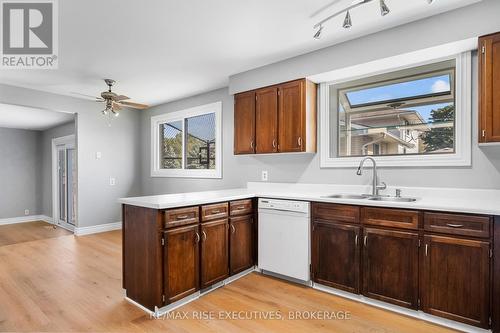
{"x":388,"y":217}
{"x":240,"y":207}
{"x":181,"y":216}
{"x":458,"y":224}
{"x":215,"y":211}
{"x":335,"y":213}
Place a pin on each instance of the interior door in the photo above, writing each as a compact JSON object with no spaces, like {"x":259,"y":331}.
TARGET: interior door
{"x":292,"y":116}
{"x":214,"y":252}
{"x":66,"y":184}
{"x":244,"y":123}
{"x":336,"y":255}
{"x":181,"y":262}
{"x":489,"y":87}
{"x":456,"y":280}
{"x":390,"y":266}
{"x":266,"y":120}
{"x":241,"y":243}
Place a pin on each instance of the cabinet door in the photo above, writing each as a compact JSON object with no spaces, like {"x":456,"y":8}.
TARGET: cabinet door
{"x":489,"y":88}
{"x":455,"y":279}
{"x":241,"y":243}
{"x":266,"y":120}
{"x":335,"y":255}
{"x":244,"y":123}
{"x":181,"y":268}
{"x":214,"y":252}
{"x":390,"y":266}
{"x":292,"y":116}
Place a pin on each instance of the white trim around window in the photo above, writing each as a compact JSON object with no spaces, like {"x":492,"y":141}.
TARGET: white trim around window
{"x":156,"y":121}
{"x":463,"y":107}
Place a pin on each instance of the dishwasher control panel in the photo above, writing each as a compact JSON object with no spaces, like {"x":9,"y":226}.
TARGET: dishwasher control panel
{"x":286,"y":205}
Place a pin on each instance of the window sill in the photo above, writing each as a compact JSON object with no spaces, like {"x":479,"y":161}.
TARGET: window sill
{"x":216,"y":174}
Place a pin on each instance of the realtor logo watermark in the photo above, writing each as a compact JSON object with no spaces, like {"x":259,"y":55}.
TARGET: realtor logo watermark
{"x":29,"y":34}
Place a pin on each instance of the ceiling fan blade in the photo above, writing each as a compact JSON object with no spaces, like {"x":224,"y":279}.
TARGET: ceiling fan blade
{"x":134,"y":105}
{"x":116,"y":106}
{"x":120,"y":98}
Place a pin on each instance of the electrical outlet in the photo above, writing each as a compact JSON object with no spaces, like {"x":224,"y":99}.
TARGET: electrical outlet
{"x":98,"y":155}
{"x":264,"y":176}
{"x":112,"y":181}
{"x":26,"y":212}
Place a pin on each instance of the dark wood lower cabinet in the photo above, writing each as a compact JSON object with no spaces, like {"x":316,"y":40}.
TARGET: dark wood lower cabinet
{"x":390,"y":266}
{"x":214,"y":252}
{"x":181,"y":262}
{"x":336,"y":255}
{"x":456,"y":279}
{"x":240,"y":243}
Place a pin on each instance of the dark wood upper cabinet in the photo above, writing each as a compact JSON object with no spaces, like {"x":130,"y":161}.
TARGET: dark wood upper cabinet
{"x":297,"y":114}
{"x":285,"y":119}
{"x":241,"y":243}
{"x":181,"y":262}
{"x":214,"y":252}
{"x":456,"y":279}
{"x":390,"y":266}
{"x":244,"y":123}
{"x":266,"y":120}
{"x":489,"y":88}
{"x":336,"y":255}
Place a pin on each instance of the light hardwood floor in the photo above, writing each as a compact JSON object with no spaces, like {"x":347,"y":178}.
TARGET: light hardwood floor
{"x":73,"y":284}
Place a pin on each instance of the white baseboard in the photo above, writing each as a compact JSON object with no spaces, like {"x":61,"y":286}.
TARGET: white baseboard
{"x":24,"y":219}
{"x":80,"y":231}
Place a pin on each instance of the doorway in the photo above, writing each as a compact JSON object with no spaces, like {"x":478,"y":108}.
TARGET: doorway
{"x":64,"y":182}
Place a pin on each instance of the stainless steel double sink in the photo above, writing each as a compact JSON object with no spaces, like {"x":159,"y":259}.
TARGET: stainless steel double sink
{"x":369,"y":197}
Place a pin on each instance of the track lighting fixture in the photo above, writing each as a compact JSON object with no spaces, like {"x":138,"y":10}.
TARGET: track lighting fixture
{"x":430,"y":2}
{"x":317,"y":35}
{"x":384,"y":10}
{"x":347,"y":21}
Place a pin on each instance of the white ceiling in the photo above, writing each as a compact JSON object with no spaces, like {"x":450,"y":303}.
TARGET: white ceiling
{"x":162,"y":50}
{"x":13,"y":116}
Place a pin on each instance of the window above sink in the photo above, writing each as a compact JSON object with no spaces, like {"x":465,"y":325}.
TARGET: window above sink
{"x":419,"y":115}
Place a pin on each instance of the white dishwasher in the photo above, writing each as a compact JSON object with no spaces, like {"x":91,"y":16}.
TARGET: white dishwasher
{"x":284,"y":238}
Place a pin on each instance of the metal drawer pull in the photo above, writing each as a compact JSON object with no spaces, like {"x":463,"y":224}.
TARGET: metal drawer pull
{"x":274,"y":143}
{"x":239,"y":208}
{"x":454,"y":225}
{"x":251,"y":144}
{"x":233,"y":229}
{"x":204,"y":235}
{"x":197,"y":237}
{"x":217,"y":211}
{"x":356,"y":240}
{"x":426,"y":249}
{"x":365,"y":241}
{"x":182,"y":217}
{"x":299,"y":141}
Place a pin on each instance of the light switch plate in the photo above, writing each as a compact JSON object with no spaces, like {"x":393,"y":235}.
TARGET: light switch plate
{"x":26,"y":212}
{"x":98,"y":155}
{"x":264,"y":176}
{"x":112,"y":181}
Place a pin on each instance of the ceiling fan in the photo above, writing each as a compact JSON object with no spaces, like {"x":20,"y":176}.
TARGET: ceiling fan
{"x":115,"y":102}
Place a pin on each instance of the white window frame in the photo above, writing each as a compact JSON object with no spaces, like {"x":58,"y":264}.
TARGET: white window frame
{"x":156,"y":121}
{"x":463,"y":115}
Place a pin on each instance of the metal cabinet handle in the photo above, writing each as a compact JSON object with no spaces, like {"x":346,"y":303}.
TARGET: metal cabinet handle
{"x":251,"y":144}
{"x":204,"y":235}
{"x":197,"y":237}
{"x":365,"y":241}
{"x":239,"y":208}
{"x":182,"y":217}
{"x":274,"y":143}
{"x":217,"y":211}
{"x":356,"y":240}
{"x":233,"y":229}
{"x":299,"y":141}
{"x":426,"y":249}
{"x":454,"y":225}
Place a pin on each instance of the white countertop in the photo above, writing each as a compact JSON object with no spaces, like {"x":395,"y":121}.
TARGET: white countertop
{"x":476,"y":201}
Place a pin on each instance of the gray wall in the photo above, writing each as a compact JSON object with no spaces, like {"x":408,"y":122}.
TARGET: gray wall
{"x":119,"y":145}
{"x":304,"y":168}
{"x":46,"y":154}
{"x":467,"y":22}
{"x":20,"y":186}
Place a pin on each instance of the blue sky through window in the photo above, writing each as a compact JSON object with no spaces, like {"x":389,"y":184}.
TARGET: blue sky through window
{"x":435,"y":84}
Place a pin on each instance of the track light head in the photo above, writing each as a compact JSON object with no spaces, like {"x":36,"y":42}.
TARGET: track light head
{"x":317,"y":35}
{"x":384,"y":10}
{"x":430,"y":2}
{"x":347,"y":21}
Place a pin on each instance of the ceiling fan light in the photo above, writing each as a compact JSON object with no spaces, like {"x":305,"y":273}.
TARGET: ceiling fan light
{"x":384,"y":9}
{"x":317,"y":35}
{"x":347,"y":21}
